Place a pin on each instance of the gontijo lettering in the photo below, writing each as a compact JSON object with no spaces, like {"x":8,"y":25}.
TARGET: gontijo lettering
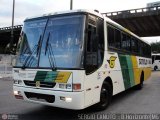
{"x":144,"y":61}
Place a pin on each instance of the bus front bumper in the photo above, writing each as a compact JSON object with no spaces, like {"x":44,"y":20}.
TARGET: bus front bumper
{"x":61,"y":99}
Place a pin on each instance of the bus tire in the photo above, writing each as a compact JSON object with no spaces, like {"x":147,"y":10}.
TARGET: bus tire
{"x":155,"y":68}
{"x":140,"y":85}
{"x":105,"y":96}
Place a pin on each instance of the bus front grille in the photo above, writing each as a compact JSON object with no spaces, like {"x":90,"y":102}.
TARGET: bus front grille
{"x":40,"y":97}
{"x":41,"y":84}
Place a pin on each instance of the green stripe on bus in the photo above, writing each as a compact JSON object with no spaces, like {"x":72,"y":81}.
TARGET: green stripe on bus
{"x":127,"y":70}
{"x":40,"y":76}
{"x":51,"y":76}
{"x":46,"y":76}
{"x":130,"y":69}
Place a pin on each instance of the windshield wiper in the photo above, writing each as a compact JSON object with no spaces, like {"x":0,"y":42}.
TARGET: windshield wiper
{"x":51,"y":57}
{"x":36,"y":49}
{"x":46,"y":48}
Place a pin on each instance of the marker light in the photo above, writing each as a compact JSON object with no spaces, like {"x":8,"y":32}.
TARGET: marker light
{"x":65,"y":86}
{"x":77,"y":86}
{"x":18,"y":82}
{"x":62,"y":86}
{"x":15,"y":81}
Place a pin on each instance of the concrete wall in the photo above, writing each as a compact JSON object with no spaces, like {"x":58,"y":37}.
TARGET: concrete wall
{"x":6,"y":62}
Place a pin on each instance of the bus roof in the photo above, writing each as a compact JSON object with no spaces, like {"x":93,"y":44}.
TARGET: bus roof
{"x":68,"y":11}
{"x":94,"y":12}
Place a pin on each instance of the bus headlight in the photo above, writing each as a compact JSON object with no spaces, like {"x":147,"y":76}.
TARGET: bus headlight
{"x":17,"y":94}
{"x":65,"y":86}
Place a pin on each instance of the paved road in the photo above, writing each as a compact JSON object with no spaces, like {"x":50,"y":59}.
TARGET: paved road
{"x":145,"y":101}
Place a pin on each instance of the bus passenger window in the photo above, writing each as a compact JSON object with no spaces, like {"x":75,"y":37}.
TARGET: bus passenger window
{"x":157,"y":57}
{"x":91,"y":43}
{"x":92,"y":49}
{"x":114,"y":37}
{"x":153,"y":58}
{"x":141,"y":48}
{"x":117,"y":38}
{"x":111,"y":42}
{"x":100,"y":31}
{"x":126,"y":42}
{"x":134,"y":44}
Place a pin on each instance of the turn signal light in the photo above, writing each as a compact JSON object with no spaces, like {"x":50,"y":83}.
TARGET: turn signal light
{"x":77,"y":86}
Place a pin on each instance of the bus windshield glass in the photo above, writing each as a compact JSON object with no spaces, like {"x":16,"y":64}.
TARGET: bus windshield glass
{"x":54,"y":41}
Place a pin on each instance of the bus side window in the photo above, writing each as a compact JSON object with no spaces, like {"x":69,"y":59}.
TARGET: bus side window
{"x":134,"y":44}
{"x":144,"y":50}
{"x":92,"y":49}
{"x":117,"y":35}
{"x":114,"y":37}
{"x":110,"y":33}
{"x":100,"y":31}
{"x":149,"y":51}
{"x":126,"y":40}
{"x":153,"y":58}
{"x":157,"y":57}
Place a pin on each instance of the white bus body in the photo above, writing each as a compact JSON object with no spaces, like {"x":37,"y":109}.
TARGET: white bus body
{"x":156,"y":61}
{"x":53,"y":70}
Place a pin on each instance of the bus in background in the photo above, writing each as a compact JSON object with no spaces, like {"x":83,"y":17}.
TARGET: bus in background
{"x":75,"y":59}
{"x":156,"y":61}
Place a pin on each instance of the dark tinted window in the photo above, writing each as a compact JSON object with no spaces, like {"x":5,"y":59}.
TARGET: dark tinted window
{"x":100,"y":31}
{"x":157,"y":57}
{"x":134,"y":44}
{"x":111,"y":42}
{"x":91,"y":43}
{"x":114,"y":37}
{"x":95,"y":45}
{"x":126,"y":40}
{"x":123,"y":42}
{"x":153,"y":58}
{"x":117,"y":37}
{"x":148,"y":50}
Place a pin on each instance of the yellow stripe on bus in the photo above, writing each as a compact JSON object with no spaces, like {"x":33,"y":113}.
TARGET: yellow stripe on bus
{"x":136,"y":70}
{"x":126,"y":30}
{"x":63,"y":77}
{"x":147,"y":73}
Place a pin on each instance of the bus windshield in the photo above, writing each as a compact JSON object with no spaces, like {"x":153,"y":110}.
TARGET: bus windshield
{"x":52,"y":41}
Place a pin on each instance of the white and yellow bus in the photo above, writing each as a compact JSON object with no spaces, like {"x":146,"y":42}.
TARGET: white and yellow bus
{"x":76,"y":59}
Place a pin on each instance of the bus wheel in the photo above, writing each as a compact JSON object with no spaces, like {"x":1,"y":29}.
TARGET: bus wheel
{"x":155,"y":68}
{"x":105,"y":96}
{"x":140,"y":85}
